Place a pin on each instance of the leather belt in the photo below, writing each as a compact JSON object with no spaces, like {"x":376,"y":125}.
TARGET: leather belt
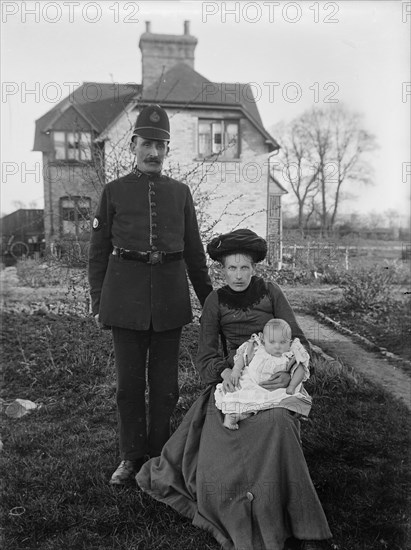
{"x":149,"y":257}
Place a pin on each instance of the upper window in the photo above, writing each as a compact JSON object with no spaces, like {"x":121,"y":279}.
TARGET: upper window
{"x":218,"y":139}
{"x":72,"y":145}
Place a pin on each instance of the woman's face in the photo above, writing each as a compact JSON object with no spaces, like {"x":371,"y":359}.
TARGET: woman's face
{"x":238,"y":270}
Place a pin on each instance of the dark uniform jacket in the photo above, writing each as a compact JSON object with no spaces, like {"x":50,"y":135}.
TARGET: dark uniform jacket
{"x":142,"y":212}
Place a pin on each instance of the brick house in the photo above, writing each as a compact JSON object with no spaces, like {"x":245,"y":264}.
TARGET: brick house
{"x":218,"y":143}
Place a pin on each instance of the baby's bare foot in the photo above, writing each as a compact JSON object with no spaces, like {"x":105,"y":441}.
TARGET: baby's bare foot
{"x":230,"y":423}
{"x":232,"y":426}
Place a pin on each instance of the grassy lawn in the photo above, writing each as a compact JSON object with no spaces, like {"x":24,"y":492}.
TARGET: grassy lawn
{"x":57,"y":460}
{"x":388,"y":327}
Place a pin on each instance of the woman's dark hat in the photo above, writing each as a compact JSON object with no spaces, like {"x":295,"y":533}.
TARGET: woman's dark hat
{"x":240,"y":241}
{"x":153,"y":123}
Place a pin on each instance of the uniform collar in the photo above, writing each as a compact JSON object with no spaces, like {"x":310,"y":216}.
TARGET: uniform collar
{"x":139,"y":174}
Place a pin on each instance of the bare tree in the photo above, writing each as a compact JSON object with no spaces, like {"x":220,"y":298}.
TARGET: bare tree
{"x":348,"y":146}
{"x":297,"y":165}
{"x":312,"y":211}
{"x":393,"y":218}
{"x":324,"y":150}
{"x":374,"y":220}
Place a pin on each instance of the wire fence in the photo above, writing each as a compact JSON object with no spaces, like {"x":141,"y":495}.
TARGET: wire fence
{"x":322,"y":256}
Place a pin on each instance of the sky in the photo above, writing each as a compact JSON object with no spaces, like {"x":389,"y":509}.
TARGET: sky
{"x":308,"y":53}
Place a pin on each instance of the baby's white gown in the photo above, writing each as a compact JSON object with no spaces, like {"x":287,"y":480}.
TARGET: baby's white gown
{"x":252,"y":397}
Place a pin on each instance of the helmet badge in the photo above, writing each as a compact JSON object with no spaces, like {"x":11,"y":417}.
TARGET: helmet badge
{"x":154,"y":117}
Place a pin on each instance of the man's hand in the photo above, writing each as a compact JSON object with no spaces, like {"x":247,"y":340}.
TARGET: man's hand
{"x":228,"y":385}
{"x":277,"y":381}
{"x":102,"y":326}
{"x":97,"y":321}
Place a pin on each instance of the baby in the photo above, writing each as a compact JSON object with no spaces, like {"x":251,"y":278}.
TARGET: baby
{"x":256,"y":361}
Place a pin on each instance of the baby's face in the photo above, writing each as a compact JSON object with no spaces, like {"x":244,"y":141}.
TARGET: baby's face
{"x":275,"y":341}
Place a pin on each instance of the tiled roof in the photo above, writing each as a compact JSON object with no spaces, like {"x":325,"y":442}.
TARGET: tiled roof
{"x":182,"y":85}
{"x":98,"y":103}
{"x":280,"y":187}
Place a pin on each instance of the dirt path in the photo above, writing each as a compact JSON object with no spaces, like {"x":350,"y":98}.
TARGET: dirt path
{"x":370,"y":364}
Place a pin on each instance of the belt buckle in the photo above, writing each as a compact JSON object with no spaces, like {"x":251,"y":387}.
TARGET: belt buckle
{"x":154,"y":257}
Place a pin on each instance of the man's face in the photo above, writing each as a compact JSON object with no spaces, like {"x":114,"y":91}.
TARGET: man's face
{"x":150,"y":154}
{"x":238,"y":270}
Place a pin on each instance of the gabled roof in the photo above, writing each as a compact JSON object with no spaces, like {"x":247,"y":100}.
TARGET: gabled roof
{"x":183,"y":86}
{"x":180,"y":84}
{"x":281,"y":190}
{"x":98,"y":105}
{"x":95,"y":102}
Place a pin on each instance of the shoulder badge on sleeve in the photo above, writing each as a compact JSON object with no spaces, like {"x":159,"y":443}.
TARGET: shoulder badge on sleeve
{"x":96,"y":223}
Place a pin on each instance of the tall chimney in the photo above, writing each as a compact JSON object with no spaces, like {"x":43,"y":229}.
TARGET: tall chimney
{"x":160,"y":52}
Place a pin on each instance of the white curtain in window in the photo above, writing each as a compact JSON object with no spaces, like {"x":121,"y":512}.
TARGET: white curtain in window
{"x":218,"y":137}
{"x":216,"y":134}
{"x":85,"y":146}
{"x":204,"y":139}
{"x":72,"y":146}
{"x":231,"y":140}
{"x":60,"y":145}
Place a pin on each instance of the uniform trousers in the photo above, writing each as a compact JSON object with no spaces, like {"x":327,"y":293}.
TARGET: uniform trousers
{"x":131,"y":348}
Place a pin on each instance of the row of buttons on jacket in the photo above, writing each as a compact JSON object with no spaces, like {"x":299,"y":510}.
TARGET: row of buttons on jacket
{"x":153,"y":214}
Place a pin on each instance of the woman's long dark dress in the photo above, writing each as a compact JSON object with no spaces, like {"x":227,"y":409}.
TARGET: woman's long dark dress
{"x":249,"y":487}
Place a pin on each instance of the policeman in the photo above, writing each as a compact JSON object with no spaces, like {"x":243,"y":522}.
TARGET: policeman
{"x":144,"y":237}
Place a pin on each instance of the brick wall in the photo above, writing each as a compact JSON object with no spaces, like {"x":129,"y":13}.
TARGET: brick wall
{"x":159,"y":53}
{"x":225,"y":192}
{"x":244,"y":180}
{"x":65,"y":180}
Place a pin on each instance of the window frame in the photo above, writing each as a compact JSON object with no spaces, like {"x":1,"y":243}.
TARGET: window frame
{"x":79,"y":149}
{"x":274,"y":205}
{"x":76,"y":212}
{"x":218,"y":155}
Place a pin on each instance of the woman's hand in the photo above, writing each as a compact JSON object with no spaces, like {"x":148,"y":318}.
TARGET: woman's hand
{"x":235,"y":378}
{"x":277,"y":381}
{"x":228,"y":385}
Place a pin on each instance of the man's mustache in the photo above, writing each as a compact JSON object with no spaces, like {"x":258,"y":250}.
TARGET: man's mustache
{"x":153,"y":159}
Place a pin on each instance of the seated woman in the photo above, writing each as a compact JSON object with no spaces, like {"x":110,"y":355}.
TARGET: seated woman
{"x":249,"y":487}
